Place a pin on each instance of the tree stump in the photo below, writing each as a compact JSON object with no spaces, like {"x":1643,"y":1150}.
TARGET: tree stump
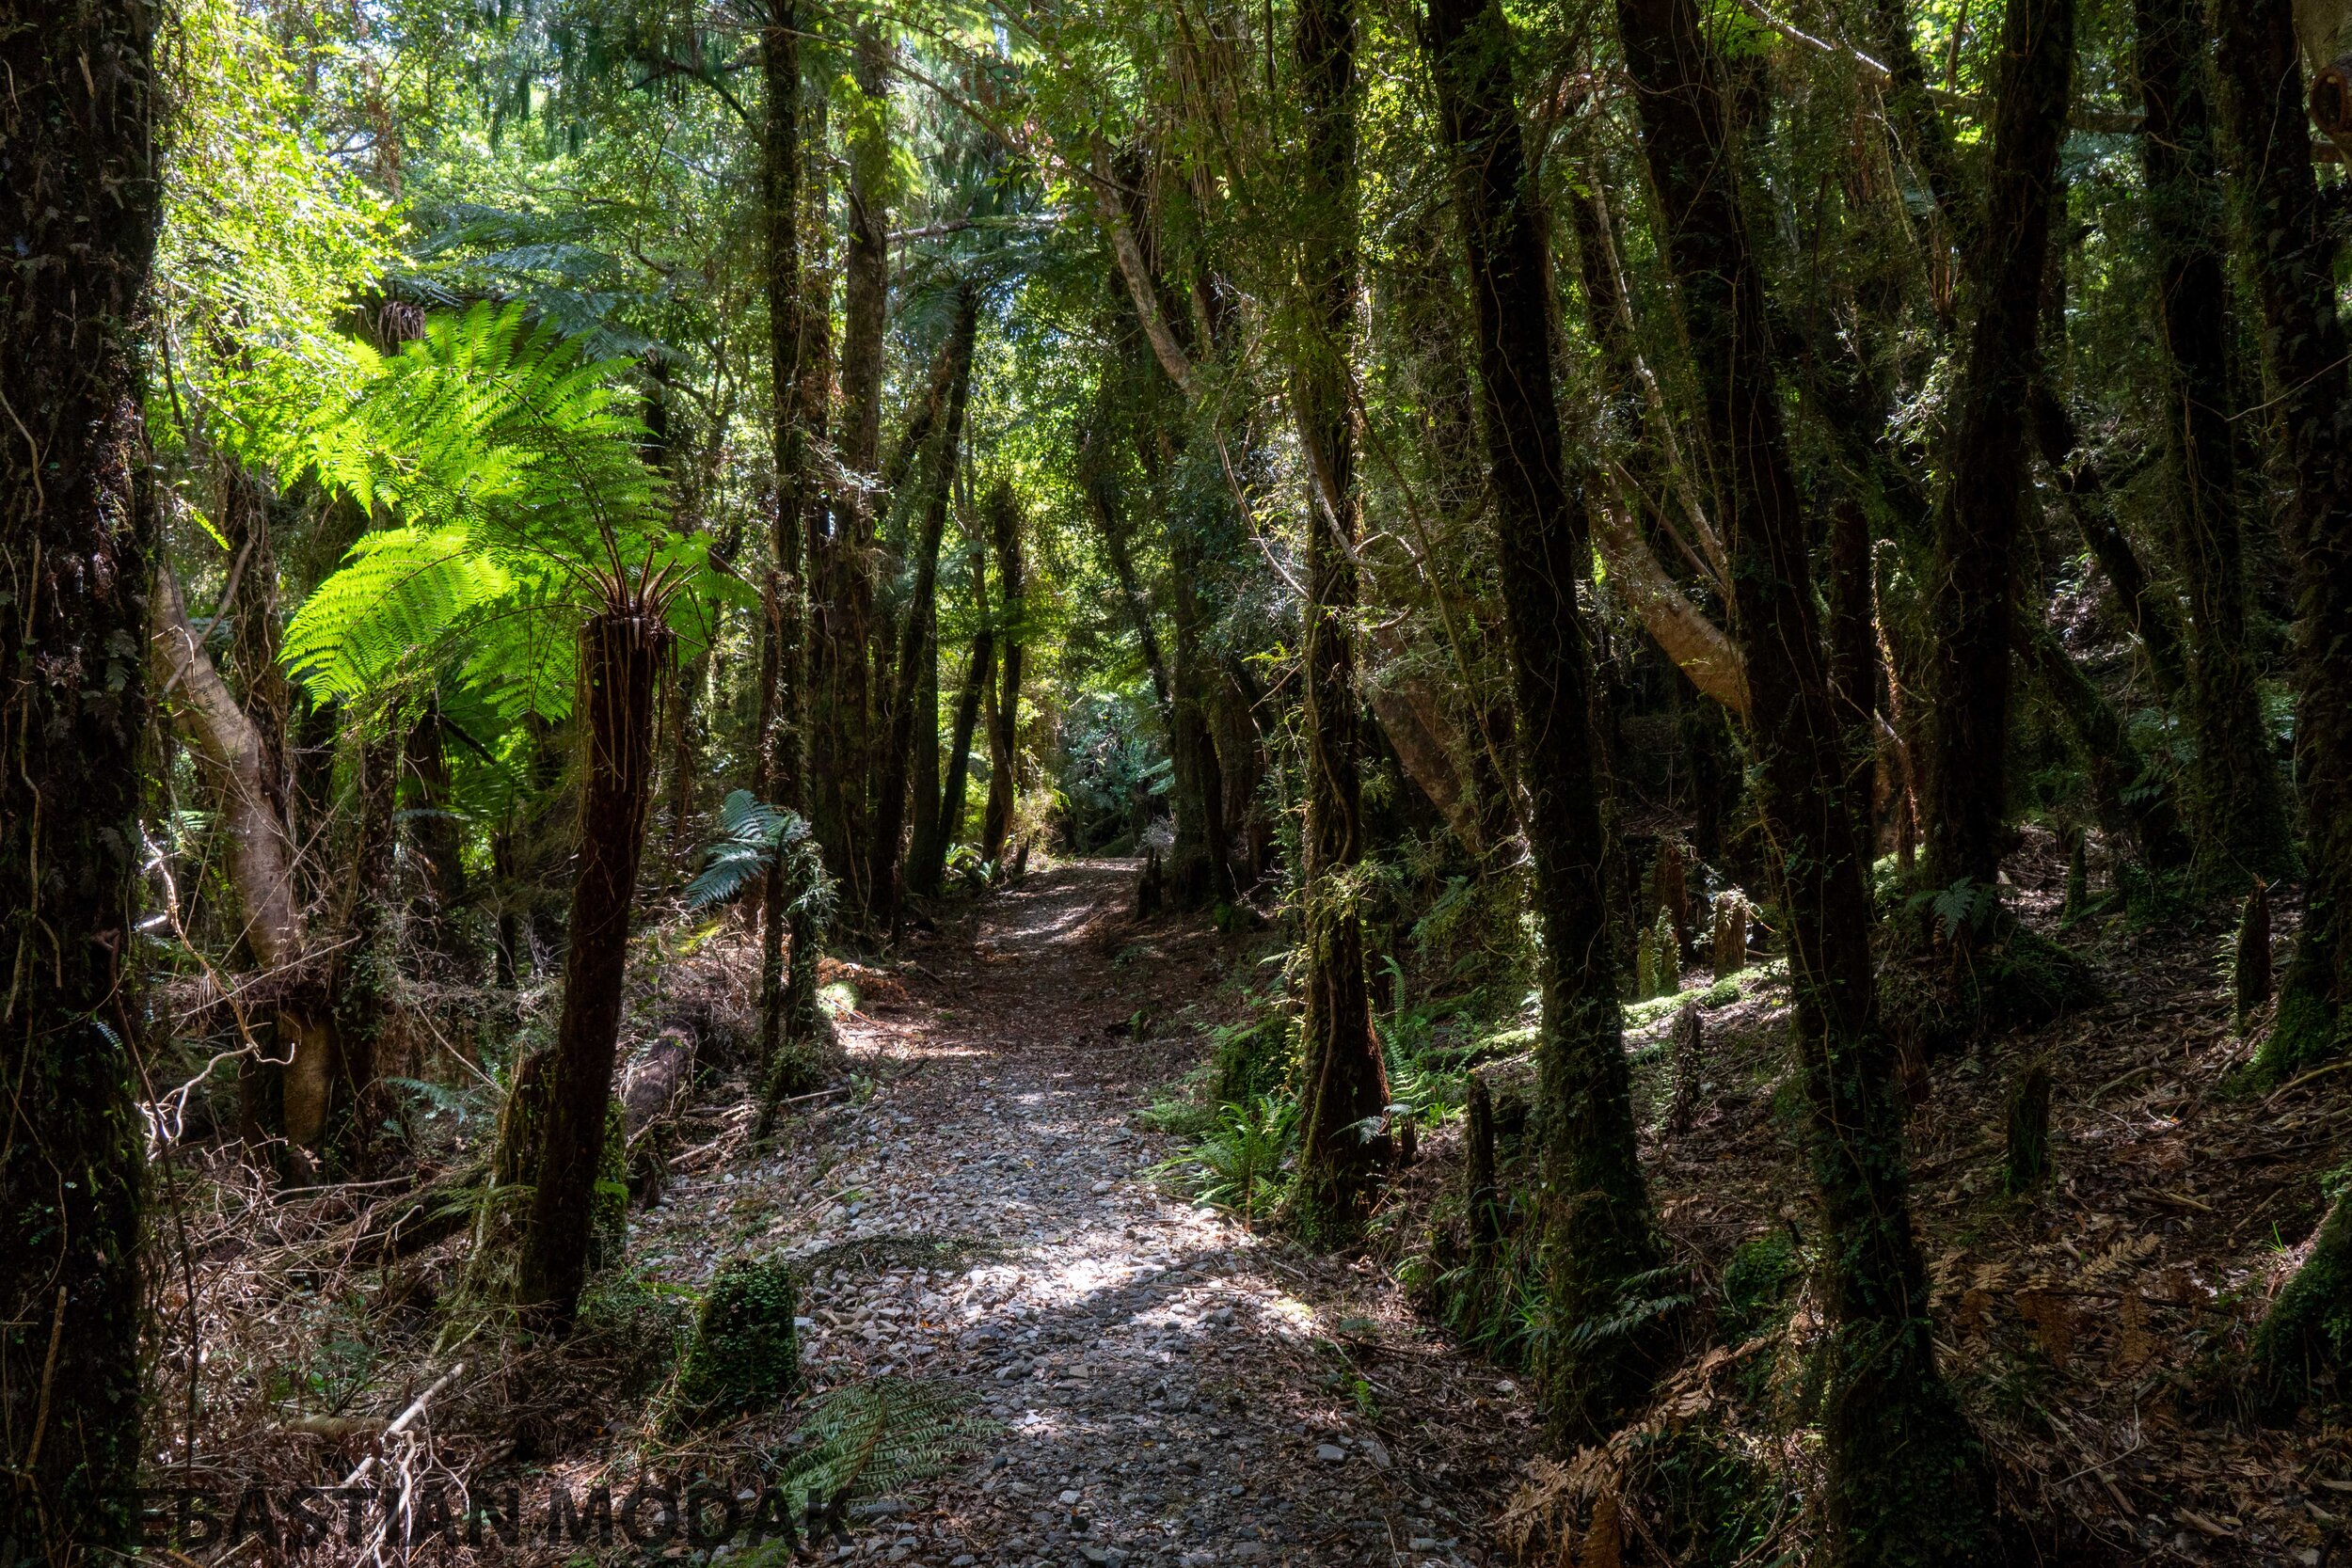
{"x":1731,"y":934}
{"x":2253,"y":953}
{"x":2028,"y":1164}
{"x":1689,"y":1039}
{"x":1486,"y":1222}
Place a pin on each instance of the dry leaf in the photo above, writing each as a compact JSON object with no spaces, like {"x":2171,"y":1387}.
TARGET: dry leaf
{"x":2052,"y":1320}
{"x":2135,"y":1347}
{"x":1604,"y":1542}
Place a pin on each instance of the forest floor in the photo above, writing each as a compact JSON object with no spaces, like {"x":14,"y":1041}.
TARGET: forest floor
{"x":982,"y":1214}
{"x":1170,"y":1387}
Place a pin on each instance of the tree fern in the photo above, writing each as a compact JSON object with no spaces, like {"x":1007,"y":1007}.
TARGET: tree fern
{"x":521,"y":505}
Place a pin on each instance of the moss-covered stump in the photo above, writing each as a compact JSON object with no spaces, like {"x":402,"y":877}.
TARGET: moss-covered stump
{"x":745,"y":1352}
{"x":2013,"y":978}
{"x":1256,"y":1061}
{"x":2307,"y":1336}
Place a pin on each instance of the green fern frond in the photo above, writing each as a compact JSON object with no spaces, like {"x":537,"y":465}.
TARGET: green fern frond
{"x":875,"y":1437}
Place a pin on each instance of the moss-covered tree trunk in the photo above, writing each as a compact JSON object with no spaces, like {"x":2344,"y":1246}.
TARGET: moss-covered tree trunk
{"x":1977,"y":527}
{"x":797,"y":350}
{"x":928,"y":860}
{"x":342,"y":1105}
{"x":1003,"y":728}
{"x":1598,"y":1231}
{"x":895,"y":770}
{"x":1345,"y":1081}
{"x":1906,"y":1482}
{"x":78,"y":202}
{"x":2291,"y":253}
{"x":2237,"y":809}
{"x":622,"y":652}
{"x":841,"y":735}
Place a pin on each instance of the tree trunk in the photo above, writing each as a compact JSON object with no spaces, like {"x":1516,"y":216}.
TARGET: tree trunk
{"x":1598,"y":1231}
{"x":1345,"y":1079}
{"x":796,"y":353}
{"x":262,"y":866}
{"x":621,"y":654}
{"x":923,"y":830}
{"x":77,"y":547}
{"x":927,"y":864}
{"x":2292,"y":258}
{"x":1004,"y":730}
{"x":842,"y":727}
{"x":1976,"y":528}
{"x":2237,"y":811}
{"x":2132,"y":798}
{"x":437,"y":837}
{"x":1906,"y":1482}
{"x":1199,"y":864}
{"x":2089,"y":497}
{"x":890,"y":796}
{"x":341,"y":1102}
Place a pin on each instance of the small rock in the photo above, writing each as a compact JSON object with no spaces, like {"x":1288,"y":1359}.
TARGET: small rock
{"x":1330,"y":1453}
{"x":1068,"y":1497}
{"x":1102,"y":1187}
{"x":1248,"y":1551}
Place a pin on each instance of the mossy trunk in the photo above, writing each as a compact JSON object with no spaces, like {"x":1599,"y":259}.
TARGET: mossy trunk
{"x":2251,"y":977}
{"x":2290,"y":255}
{"x":78,"y":549}
{"x":342,"y":1108}
{"x":2237,"y":809}
{"x":842,"y":734}
{"x":1340,"y":1168}
{"x":926,"y":863}
{"x":1004,"y":727}
{"x":621,"y":656}
{"x":1977,"y":527}
{"x":1905,"y":1479}
{"x":895,"y":773}
{"x":1600,"y":1239}
{"x":799,"y":347}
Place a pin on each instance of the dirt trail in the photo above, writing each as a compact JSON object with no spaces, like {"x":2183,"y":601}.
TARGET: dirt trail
{"x":1171,"y":1388}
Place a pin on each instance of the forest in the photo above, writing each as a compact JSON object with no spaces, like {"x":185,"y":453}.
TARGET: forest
{"x":1073,"y":781}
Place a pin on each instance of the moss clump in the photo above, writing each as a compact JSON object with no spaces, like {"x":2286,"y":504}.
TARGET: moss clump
{"x":1758,"y":1289}
{"x":745,"y":1352}
{"x":2308,"y":1332}
{"x":1717,"y":1505}
{"x":2021,"y":980}
{"x":1256,"y":1060}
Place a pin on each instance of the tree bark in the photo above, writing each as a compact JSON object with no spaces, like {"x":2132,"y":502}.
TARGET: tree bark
{"x":621,"y":654}
{"x":890,"y":796}
{"x":927,"y":864}
{"x":1004,"y":730}
{"x":2089,"y":498}
{"x":340,"y":1100}
{"x":842,"y":731}
{"x":1600,"y":1237}
{"x":796,"y":352}
{"x":262,"y":868}
{"x":1345,"y":1079}
{"x":2132,"y":799}
{"x":2237,"y":811}
{"x":77,"y":547}
{"x":1906,"y":1482}
{"x":1977,"y":527}
{"x":2290,"y":255}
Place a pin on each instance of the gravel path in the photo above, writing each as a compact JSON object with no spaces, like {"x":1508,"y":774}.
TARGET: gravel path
{"x":1172,"y":1389}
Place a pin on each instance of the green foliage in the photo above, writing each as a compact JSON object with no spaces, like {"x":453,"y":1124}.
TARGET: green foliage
{"x":746,"y":1352}
{"x":878,"y":1436}
{"x":1757,"y":1288}
{"x":637,"y":1327}
{"x":1256,"y":1059}
{"x":752,"y":836}
{"x":1242,"y":1165}
{"x":523,"y":503}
